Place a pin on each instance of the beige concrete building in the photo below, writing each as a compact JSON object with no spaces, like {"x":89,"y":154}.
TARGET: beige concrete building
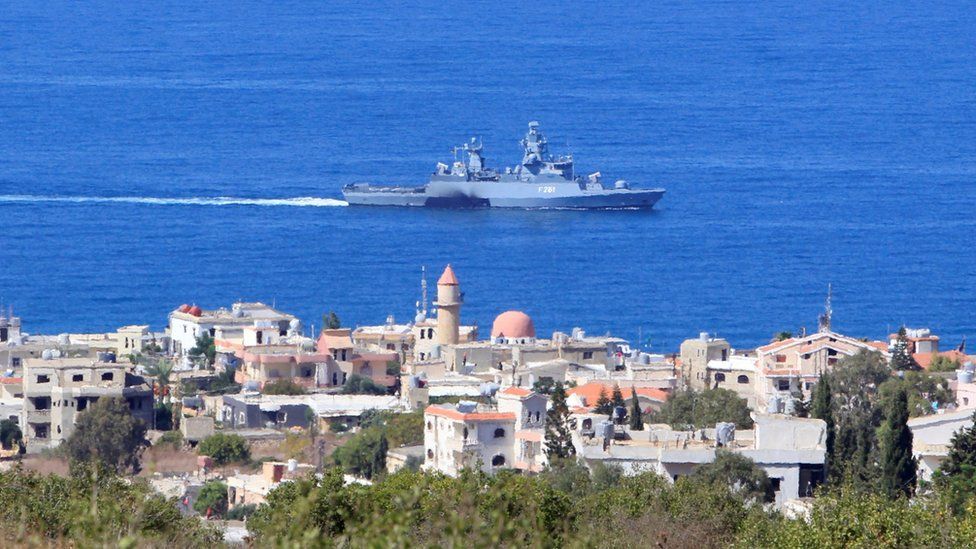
{"x":57,"y":389}
{"x":695,"y":356}
{"x":794,"y":365}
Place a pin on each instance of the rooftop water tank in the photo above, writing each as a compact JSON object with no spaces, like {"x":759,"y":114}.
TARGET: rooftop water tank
{"x":724,"y":433}
{"x":292,"y":465}
{"x":773,"y":406}
{"x":964,"y":376}
{"x":467,"y":407}
{"x":645,"y":359}
{"x":703,"y":336}
{"x":46,"y":354}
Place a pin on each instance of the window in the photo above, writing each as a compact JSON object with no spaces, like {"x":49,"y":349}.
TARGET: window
{"x":41,"y":430}
{"x":306,"y":371}
{"x":78,"y":377}
{"x":15,"y":362}
{"x":499,"y":433}
{"x":430,"y":426}
{"x":498,"y":461}
{"x":465,"y":433}
{"x":213,"y":332}
{"x":391,"y":346}
{"x":42,"y":403}
{"x":776,"y":483}
{"x":743,"y":379}
{"x":430,"y":454}
{"x":831,"y":352}
{"x":43,"y":379}
{"x":780,"y":358}
{"x":107,"y":376}
{"x":430,"y":333}
{"x":282,"y":333}
{"x":82,"y":404}
{"x":783,"y":385}
{"x":588,"y":424}
{"x":281,"y":417}
{"x":725,"y":355}
{"x":422,"y":334}
{"x":335,"y":378}
{"x":537,"y":416}
{"x":587,"y":355}
{"x":260,"y":337}
{"x":720,"y":377}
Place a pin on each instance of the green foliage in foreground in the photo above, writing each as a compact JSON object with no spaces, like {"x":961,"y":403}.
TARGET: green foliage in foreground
{"x":364,"y":454}
{"x":283,"y":387}
{"x":92,"y":510}
{"x":570,"y":508}
{"x":213,"y":496}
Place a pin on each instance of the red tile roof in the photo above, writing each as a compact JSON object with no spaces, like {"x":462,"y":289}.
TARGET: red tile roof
{"x":451,"y":413}
{"x":516,"y":391}
{"x":925,"y":359}
{"x":590,"y":392}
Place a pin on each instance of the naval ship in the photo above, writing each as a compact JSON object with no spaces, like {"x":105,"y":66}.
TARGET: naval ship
{"x":541,"y":180}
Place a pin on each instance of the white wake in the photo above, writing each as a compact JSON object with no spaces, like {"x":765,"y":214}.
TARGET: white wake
{"x":301,"y":202}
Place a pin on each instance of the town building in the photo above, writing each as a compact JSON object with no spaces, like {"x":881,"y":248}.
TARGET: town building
{"x":244,"y":489}
{"x":507,"y":435}
{"x":923,"y":345}
{"x":790,"y":449}
{"x":791,"y":367}
{"x":695,"y":356}
{"x":255,"y":411}
{"x":188,"y":322}
{"x":932,"y":437}
{"x":57,"y":389}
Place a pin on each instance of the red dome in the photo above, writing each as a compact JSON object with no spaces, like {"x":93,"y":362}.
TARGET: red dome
{"x":513,"y":325}
{"x":184,"y":308}
{"x":195,"y":311}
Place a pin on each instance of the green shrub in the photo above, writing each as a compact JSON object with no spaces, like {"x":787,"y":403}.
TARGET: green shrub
{"x":224,"y":448}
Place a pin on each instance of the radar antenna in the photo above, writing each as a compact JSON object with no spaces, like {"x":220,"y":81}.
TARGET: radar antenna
{"x":828,"y":311}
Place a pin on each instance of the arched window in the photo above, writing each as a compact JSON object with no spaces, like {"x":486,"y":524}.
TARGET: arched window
{"x":743,"y":379}
{"x":465,"y":433}
{"x":430,"y":333}
{"x":430,"y":426}
{"x":537,"y":416}
{"x":720,"y":377}
{"x":430,"y":454}
{"x":498,"y":461}
{"x":499,"y":433}
{"x":588,"y":423}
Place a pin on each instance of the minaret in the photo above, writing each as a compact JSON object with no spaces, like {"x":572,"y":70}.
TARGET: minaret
{"x":448,"y":308}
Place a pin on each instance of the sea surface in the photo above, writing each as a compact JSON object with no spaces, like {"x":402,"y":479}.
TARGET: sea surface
{"x":159,"y":153}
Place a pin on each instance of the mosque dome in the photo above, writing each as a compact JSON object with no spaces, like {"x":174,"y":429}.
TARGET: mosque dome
{"x":195,"y":311}
{"x":184,"y":308}
{"x":513,"y":325}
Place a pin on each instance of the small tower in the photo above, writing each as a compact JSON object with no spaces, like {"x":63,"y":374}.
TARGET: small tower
{"x":448,"y":308}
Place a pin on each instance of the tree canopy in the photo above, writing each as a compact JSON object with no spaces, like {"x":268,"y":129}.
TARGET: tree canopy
{"x":212,"y":497}
{"x":225,"y":448}
{"x":558,"y":440}
{"x":107,"y":434}
{"x":283,"y":387}
{"x":701,"y":409}
{"x":357,"y":384}
{"x":740,"y":474}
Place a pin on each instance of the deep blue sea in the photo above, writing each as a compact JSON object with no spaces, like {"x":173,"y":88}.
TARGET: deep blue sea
{"x":801,"y":144}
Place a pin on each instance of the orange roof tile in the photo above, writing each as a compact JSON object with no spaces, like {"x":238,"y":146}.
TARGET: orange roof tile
{"x":11,"y":380}
{"x":451,"y":413}
{"x":590,"y":392}
{"x":925,"y":359}
{"x":448,"y":278}
{"x":516,"y":391}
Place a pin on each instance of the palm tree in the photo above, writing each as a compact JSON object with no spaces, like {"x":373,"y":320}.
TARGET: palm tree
{"x":161,"y":370}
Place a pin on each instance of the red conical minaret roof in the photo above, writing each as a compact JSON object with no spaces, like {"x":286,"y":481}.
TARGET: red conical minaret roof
{"x":448,"y":278}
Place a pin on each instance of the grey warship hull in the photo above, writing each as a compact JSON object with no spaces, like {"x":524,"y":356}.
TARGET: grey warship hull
{"x":500,"y":195}
{"x":539,"y":181}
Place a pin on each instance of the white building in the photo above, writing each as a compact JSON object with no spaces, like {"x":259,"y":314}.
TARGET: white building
{"x":187,"y":323}
{"x":791,"y":450}
{"x":932,"y":435}
{"x":466,"y":435}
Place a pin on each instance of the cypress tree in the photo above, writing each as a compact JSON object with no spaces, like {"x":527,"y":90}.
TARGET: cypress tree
{"x":962,"y":451}
{"x":898,"y":466}
{"x":603,"y":404}
{"x":822,"y":408}
{"x":616,"y":400}
{"x":636,"y":416}
{"x":559,"y":441}
{"x":901,"y":359}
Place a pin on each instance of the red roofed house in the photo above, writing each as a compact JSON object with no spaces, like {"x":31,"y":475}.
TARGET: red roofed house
{"x":587,"y":395}
{"x":468,"y":435}
{"x":795,"y":364}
